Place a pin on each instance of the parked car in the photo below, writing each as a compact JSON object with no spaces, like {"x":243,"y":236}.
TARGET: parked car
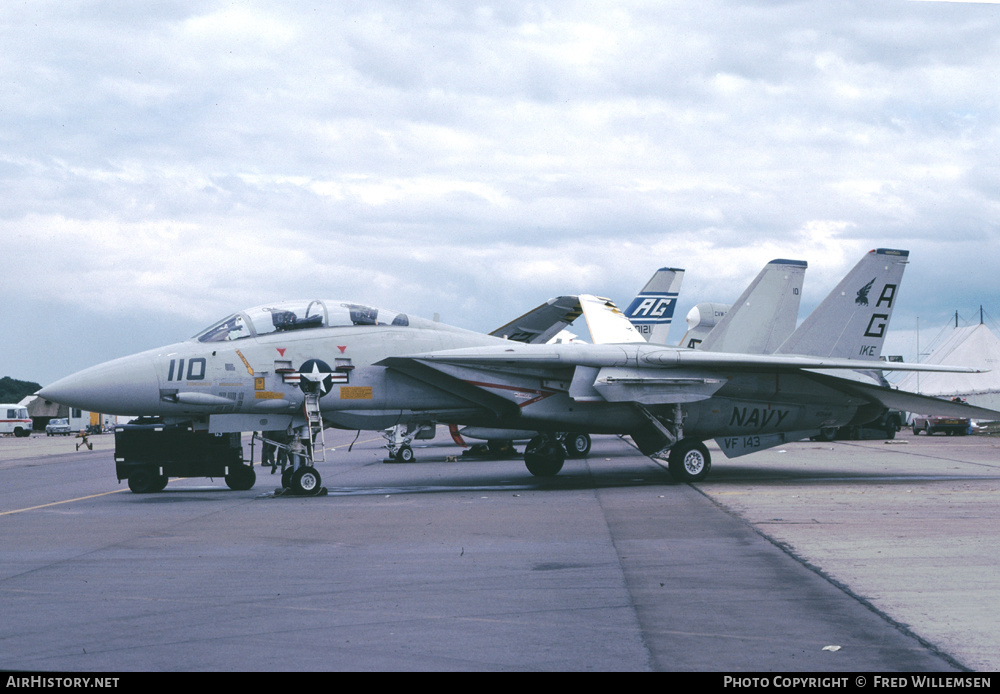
{"x":930,"y":424}
{"x":58,"y":427}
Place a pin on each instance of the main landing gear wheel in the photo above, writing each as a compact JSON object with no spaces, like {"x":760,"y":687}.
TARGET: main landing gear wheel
{"x":577,"y":445}
{"x":305,"y":480}
{"x":689,"y":461}
{"x":544,"y":456}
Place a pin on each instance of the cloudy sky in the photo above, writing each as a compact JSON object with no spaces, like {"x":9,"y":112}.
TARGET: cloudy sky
{"x":164,"y":164}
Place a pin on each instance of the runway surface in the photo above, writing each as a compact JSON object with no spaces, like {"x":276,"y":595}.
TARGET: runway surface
{"x":850,"y":556}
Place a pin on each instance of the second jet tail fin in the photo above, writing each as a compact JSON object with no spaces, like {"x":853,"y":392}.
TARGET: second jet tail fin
{"x":652,"y":310}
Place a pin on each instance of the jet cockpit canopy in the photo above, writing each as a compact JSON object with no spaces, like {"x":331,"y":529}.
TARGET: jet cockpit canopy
{"x":297,"y":315}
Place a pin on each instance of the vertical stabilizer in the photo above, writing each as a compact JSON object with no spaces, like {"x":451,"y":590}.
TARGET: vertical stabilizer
{"x":765,"y":314}
{"x":652,"y":310}
{"x":852,"y":321}
{"x":605,"y":321}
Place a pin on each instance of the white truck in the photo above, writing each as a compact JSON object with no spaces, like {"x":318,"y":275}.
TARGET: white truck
{"x":14,"y":420}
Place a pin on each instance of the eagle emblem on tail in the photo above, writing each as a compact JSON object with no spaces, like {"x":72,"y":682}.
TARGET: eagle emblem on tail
{"x":862,"y":299}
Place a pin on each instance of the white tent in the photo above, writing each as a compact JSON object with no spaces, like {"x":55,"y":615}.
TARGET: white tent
{"x":973,"y":346}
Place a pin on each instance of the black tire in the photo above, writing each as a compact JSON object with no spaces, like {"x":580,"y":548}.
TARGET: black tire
{"x":286,"y":478}
{"x":544,"y":457}
{"x":689,"y":461}
{"x":827,"y":434}
{"x":305,"y":480}
{"x":540,"y":466}
{"x":404,"y":455}
{"x":143,"y":481}
{"x":577,"y":445}
{"x":241,"y":478}
{"x":161,"y":483}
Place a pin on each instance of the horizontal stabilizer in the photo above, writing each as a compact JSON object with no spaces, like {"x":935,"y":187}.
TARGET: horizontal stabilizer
{"x":908,"y":402}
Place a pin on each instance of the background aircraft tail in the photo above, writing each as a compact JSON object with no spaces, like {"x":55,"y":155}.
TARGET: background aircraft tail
{"x":765,"y":314}
{"x":606,"y":323}
{"x":852,"y":320}
{"x":701,"y":319}
{"x":652,"y":310}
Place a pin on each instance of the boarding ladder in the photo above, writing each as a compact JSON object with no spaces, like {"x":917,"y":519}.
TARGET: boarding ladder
{"x":314,"y":422}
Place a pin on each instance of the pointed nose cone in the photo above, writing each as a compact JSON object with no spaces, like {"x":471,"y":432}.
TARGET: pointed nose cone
{"x":123,"y":386}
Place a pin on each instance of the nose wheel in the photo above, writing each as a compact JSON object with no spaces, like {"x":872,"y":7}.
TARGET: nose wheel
{"x":305,"y":481}
{"x":299,"y":477}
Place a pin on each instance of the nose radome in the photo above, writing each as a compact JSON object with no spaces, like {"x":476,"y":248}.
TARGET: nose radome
{"x":122,"y":386}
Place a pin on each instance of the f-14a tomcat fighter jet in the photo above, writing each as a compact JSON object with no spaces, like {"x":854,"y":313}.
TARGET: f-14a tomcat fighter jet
{"x":303,"y":366}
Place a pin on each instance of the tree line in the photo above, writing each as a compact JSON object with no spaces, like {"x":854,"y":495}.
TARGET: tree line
{"x":13,"y":390}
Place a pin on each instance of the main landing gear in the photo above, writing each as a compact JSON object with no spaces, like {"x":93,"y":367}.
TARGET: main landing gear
{"x":400,"y":437}
{"x":689,"y":461}
{"x":687,"y":458}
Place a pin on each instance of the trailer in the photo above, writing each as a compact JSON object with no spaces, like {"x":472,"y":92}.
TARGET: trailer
{"x":148,"y":453}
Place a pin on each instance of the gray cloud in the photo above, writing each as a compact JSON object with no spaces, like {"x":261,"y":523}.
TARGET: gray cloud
{"x":170,"y":164}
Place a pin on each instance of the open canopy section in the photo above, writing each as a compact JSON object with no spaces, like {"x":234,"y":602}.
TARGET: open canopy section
{"x":298,"y":315}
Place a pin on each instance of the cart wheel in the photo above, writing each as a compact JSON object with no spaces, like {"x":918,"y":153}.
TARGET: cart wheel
{"x":143,"y":481}
{"x":241,"y":478}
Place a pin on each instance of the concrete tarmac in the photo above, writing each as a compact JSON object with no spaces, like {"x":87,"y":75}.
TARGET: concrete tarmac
{"x":838,"y":557}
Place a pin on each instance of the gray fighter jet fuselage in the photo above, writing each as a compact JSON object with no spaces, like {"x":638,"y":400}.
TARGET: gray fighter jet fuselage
{"x":227,"y":382}
{"x":278,"y":366}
